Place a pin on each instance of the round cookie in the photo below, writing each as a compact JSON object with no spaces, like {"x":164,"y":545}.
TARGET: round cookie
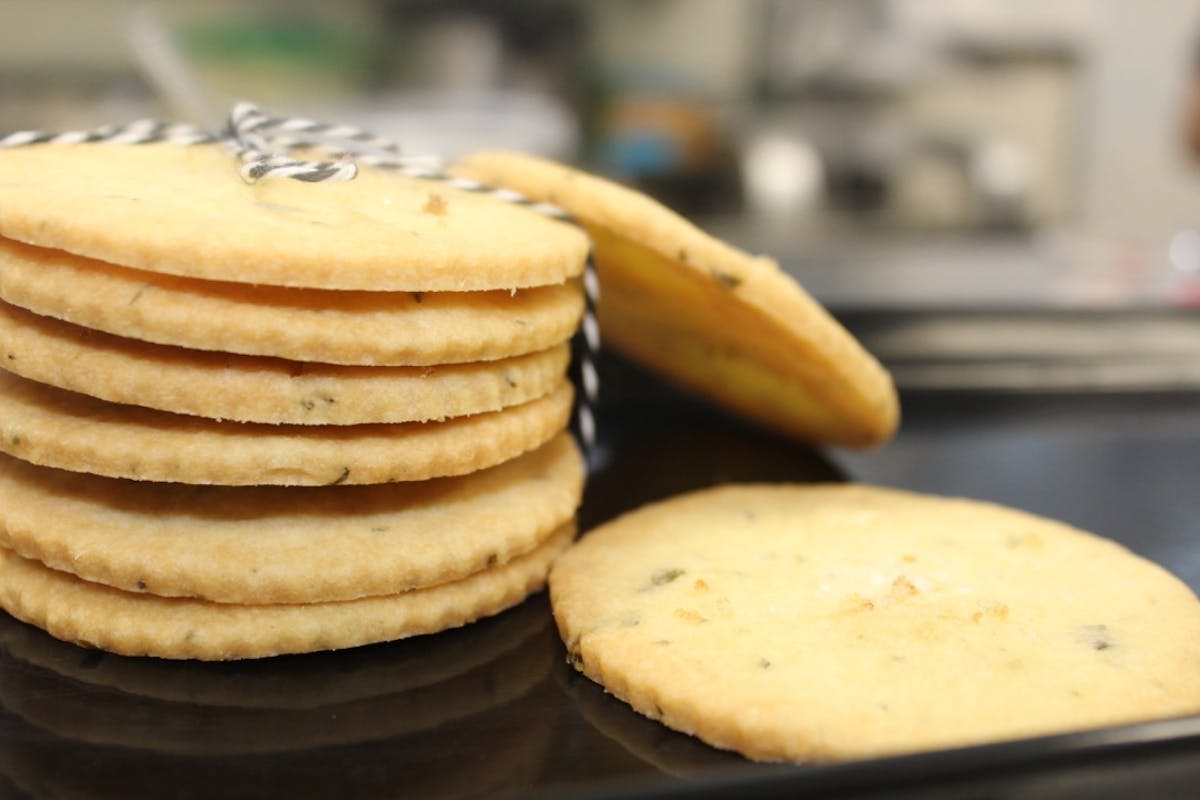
{"x":53,"y":428}
{"x":329,"y":327}
{"x":260,"y":389}
{"x":186,"y":211}
{"x":777,"y":357}
{"x":819,"y":623}
{"x":99,"y":616}
{"x":259,"y":544}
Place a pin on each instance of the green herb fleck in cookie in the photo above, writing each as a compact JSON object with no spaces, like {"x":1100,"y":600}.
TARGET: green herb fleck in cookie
{"x":1099,"y":637}
{"x":665,"y":576}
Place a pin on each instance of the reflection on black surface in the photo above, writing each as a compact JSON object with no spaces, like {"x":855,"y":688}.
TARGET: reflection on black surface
{"x":656,"y":745}
{"x":656,"y":442}
{"x":285,"y":682}
{"x":299,"y":726}
{"x":486,"y":756}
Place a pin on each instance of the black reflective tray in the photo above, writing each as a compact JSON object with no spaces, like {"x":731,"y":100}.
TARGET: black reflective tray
{"x":493,"y":709}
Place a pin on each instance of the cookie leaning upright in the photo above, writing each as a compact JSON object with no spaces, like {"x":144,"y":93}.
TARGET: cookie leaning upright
{"x":723,"y":323}
{"x":236,"y":353}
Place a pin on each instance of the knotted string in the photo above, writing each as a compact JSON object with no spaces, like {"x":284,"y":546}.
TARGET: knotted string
{"x":247,"y":134}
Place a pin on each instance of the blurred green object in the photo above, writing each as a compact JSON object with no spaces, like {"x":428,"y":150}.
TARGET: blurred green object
{"x":283,"y":62}
{"x":300,"y":43}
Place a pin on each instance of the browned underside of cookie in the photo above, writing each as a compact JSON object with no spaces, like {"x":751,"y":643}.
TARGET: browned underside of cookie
{"x":716,"y":320}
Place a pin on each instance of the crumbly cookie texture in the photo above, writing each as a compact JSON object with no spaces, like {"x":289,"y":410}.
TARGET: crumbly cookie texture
{"x":195,"y":216}
{"x":50,"y":427}
{"x":823,"y":623}
{"x":365,"y":328}
{"x":256,"y":545}
{"x":260,"y":389}
{"x":139,"y":624}
{"x":776,"y":355}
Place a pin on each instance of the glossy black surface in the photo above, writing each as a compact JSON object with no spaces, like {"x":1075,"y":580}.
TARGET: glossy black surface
{"x":494,"y":709}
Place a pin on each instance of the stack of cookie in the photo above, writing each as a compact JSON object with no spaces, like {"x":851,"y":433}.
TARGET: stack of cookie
{"x":249,"y":419}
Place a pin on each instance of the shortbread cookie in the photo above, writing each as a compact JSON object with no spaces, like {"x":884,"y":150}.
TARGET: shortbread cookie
{"x":95,"y":615}
{"x":260,"y":389}
{"x":299,"y":682}
{"x":730,"y":326}
{"x":53,"y":428}
{"x":186,"y":211}
{"x":101,"y":716}
{"x":270,"y":544}
{"x":358,"y":328}
{"x":823,"y":623}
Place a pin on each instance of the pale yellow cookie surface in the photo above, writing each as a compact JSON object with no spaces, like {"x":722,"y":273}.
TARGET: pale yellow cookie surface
{"x":356,"y":328}
{"x":817,"y":623}
{"x":260,"y":389}
{"x":730,"y":326}
{"x":256,"y":545}
{"x":99,"y":616}
{"x":186,"y":211}
{"x":53,"y":428}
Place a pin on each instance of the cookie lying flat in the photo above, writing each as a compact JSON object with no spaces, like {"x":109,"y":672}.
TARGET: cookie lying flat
{"x":53,"y":428}
{"x":775,"y":356}
{"x":193,"y":215}
{"x":287,"y":545}
{"x":259,"y":389}
{"x":358,"y":328}
{"x":94,"y":615}
{"x":837,"y":622}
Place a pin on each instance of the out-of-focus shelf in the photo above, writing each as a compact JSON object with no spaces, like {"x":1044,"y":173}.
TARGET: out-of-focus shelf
{"x":1032,"y":350}
{"x":864,"y":266}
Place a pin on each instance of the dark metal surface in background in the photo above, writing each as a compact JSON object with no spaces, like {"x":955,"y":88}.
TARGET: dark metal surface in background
{"x":494,"y":709}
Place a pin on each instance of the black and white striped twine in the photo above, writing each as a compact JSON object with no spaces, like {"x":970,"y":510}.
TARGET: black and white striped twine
{"x":263,"y":144}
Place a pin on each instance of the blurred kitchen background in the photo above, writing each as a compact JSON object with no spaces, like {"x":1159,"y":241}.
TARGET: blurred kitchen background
{"x":994,"y":195}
